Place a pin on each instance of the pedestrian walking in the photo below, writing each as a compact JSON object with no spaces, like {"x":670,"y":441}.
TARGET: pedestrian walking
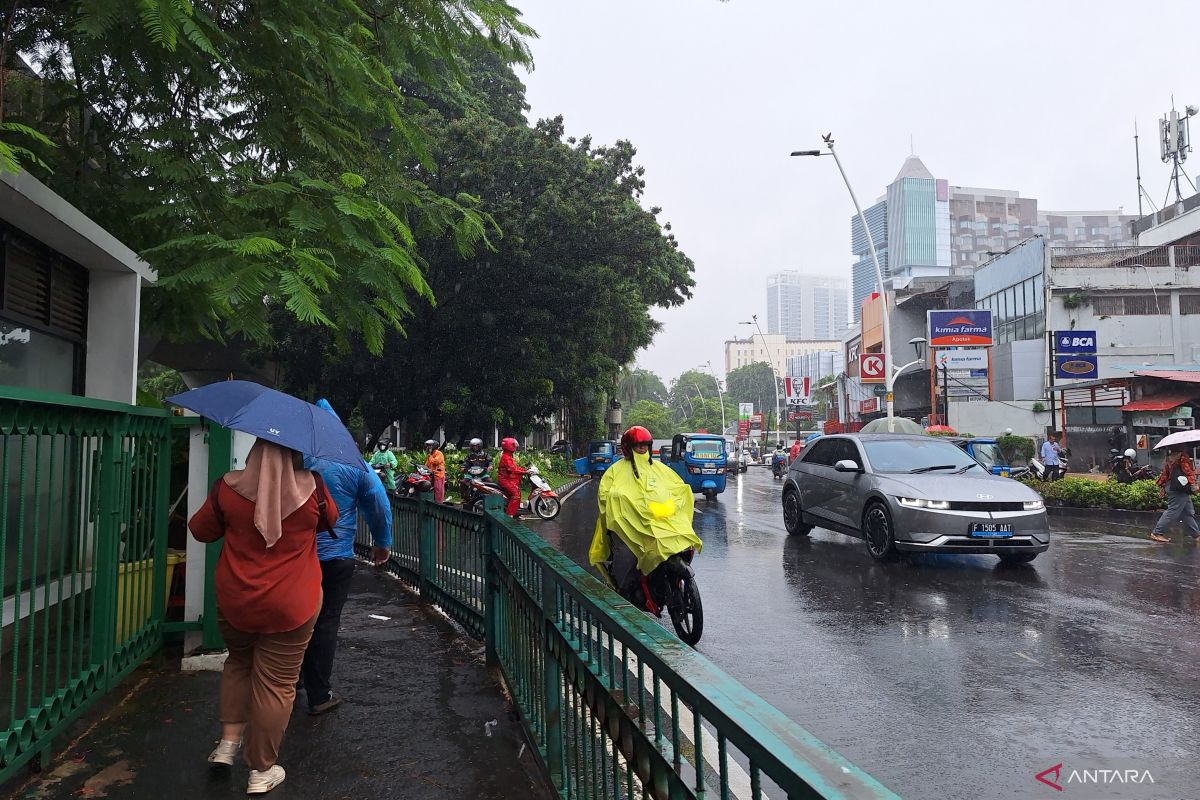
{"x":268,"y":583}
{"x":1178,"y":480}
{"x":355,"y":492}
{"x":435,"y":462}
{"x":1051,"y":457}
{"x":794,"y":453}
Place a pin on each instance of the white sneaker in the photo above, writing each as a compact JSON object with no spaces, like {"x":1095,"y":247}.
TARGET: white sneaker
{"x":265,"y":781}
{"x":225,"y":752}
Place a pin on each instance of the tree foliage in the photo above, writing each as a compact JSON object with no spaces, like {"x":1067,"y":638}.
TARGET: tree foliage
{"x":635,"y":384}
{"x":262,"y":156}
{"x":652,"y":416}
{"x":754,"y":383}
{"x":545,"y":318}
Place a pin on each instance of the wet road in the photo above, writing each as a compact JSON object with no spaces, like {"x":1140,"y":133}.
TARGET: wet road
{"x":950,"y":676}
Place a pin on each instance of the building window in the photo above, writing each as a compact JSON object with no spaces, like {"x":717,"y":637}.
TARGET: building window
{"x":1131,"y":305}
{"x":1189,"y":304}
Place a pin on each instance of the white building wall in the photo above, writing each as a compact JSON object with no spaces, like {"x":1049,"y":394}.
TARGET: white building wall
{"x":114,"y":307}
{"x":772,"y":349}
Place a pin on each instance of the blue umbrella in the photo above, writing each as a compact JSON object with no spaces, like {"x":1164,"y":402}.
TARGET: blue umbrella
{"x":274,"y":416}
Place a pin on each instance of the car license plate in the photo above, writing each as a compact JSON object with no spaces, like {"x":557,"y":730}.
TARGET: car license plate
{"x":991,"y":530}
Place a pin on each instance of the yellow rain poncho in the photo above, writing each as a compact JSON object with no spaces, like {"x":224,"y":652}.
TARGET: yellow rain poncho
{"x":651,"y":512}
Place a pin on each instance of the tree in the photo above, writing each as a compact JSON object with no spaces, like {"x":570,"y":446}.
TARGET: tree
{"x":542,"y":321}
{"x":636,"y":384}
{"x":652,"y":416}
{"x":262,"y":156}
{"x":754,"y":383}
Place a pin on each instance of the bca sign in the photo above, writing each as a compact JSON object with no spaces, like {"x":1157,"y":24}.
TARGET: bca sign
{"x":797,"y":390}
{"x":870,"y":368}
{"x":1075,"y":341}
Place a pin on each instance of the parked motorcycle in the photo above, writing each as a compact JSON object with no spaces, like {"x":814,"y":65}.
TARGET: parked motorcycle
{"x":1136,"y":473}
{"x":1038,"y":470}
{"x":671,"y":586}
{"x":419,"y":481}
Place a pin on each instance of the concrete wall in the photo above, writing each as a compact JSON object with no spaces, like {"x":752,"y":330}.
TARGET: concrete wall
{"x":991,"y":418}
{"x":114,"y":307}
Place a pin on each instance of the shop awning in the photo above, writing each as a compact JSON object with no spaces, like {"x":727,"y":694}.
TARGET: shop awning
{"x":1160,"y":402}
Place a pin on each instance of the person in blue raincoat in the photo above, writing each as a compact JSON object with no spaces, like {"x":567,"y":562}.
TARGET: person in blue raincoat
{"x":354,"y":491}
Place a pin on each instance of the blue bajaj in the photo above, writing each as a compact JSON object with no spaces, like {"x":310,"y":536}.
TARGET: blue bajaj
{"x":699,"y":459}
{"x":600,"y":456}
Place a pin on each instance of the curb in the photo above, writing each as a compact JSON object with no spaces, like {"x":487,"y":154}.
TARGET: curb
{"x":1120,"y":522}
{"x":568,"y":488}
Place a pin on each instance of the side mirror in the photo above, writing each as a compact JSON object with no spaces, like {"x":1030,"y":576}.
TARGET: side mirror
{"x":846,"y":465}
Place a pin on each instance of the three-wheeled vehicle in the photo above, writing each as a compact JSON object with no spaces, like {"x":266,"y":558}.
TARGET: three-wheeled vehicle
{"x":987,"y":453}
{"x":600,"y":456}
{"x":700,"y":459}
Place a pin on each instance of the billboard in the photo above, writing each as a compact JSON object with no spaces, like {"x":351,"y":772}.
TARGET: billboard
{"x":745,"y":410}
{"x":797,"y":390}
{"x":868,"y":406}
{"x":970,"y":327}
{"x":756,"y":424}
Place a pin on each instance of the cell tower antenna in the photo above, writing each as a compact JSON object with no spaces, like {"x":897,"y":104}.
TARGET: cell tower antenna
{"x":1174,"y":143}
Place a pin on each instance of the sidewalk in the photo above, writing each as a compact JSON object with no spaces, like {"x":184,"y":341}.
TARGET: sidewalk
{"x":413,"y":726}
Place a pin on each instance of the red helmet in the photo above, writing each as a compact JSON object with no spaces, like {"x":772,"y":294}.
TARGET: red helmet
{"x":508,"y":444}
{"x":635,"y":435}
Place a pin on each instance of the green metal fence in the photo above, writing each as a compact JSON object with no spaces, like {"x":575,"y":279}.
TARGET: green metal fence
{"x":82,"y":557}
{"x":616,"y":705}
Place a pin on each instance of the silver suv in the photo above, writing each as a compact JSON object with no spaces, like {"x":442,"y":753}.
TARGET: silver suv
{"x":912,"y":493}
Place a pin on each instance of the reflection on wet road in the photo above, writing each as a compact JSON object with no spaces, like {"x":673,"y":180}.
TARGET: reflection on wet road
{"x":950,"y":676}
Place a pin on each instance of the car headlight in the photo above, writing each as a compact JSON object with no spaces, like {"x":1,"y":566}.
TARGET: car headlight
{"x":914,"y":502}
{"x":1033,"y":505}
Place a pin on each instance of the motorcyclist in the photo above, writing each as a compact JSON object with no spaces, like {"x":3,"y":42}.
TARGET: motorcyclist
{"x":645,"y":517}
{"x":384,"y":457}
{"x":509,"y":476}
{"x":1127,"y":470}
{"x":779,"y":459}
{"x":476,"y":457}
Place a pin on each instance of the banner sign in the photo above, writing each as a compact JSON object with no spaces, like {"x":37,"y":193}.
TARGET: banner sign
{"x":1076,"y":366}
{"x":796,"y":416}
{"x":745,"y":410}
{"x":1074,"y":341}
{"x":868,"y":406}
{"x":756,"y":424}
{"x":965,"y":327}
{"x":797,"y":390}
{"x":962,"y":359}
{"x":743,"y":429}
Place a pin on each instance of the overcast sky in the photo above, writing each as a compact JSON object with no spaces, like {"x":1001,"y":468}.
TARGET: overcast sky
{"x":1035,"y":96}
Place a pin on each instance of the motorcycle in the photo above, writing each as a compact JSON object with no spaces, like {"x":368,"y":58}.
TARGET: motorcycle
{"x":542,"y":502}
{"x":419,"y":481}
{"x":1116,"y":460}
{"x":1036,"y":469}
{"x":476,"y":486}
{"x":671,"y":586}
{"x":778,"y":466}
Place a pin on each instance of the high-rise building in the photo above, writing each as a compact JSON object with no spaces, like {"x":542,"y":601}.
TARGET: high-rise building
{"x":987,"y":222}
{"x":816,"y":365}
{"x":924,"y":227}
{"x":911,"y":224}
{"x":803,"y":306}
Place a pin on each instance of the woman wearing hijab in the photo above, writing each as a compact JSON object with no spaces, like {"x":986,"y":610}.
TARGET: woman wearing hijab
{"x":268,"y":583}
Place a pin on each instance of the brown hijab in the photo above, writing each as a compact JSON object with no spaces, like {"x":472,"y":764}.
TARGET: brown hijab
{"x":274,"y":485}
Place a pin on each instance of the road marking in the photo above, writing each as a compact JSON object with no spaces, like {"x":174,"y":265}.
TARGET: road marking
{"x":1027,"y":658}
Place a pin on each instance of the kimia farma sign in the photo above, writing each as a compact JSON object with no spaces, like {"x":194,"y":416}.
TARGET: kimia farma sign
{"x":970,"y":327}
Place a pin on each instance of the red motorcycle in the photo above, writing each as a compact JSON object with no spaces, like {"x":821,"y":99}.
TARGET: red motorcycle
{"x":542,"y":500}
{"x":419,"y":481}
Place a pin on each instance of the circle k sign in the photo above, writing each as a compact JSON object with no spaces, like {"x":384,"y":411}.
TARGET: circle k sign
{"x":870,"y":368}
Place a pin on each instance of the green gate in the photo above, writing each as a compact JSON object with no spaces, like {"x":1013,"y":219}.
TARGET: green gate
{"x":82,"y":557}
{"x":616,"y":706}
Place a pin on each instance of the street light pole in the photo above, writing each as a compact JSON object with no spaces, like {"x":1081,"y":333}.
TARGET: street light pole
{"x":774,"y":372}
{"x":720,"y":394}
{"x":887,"y":325}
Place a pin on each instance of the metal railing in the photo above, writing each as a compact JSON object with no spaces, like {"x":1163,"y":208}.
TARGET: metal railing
{"x":82,"y":557}
{"x":616,"y":706}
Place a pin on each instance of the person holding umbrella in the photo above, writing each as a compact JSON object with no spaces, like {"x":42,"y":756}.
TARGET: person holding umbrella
{"x":268,"y":578}
{"x":268,"y":584}
{"x":1178,"y":480}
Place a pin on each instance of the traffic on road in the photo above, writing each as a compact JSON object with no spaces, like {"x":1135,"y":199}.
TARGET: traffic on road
{"x":937,"y":657}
